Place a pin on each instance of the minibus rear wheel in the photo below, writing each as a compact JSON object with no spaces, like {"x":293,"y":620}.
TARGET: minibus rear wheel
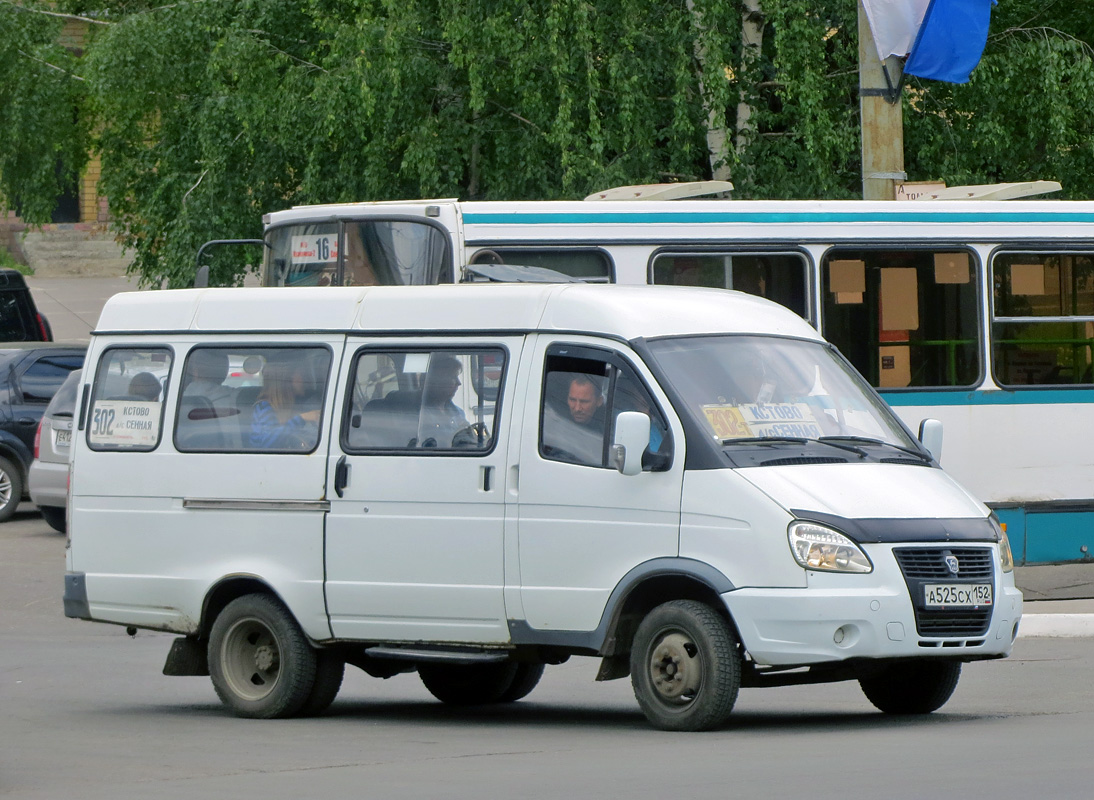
{"x":918,"y":687}
{"x":469,"y":684}
{"x":685,"y":667}
{"x":261,"y":664}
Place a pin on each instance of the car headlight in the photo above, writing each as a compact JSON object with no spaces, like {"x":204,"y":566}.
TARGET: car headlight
{"x":817,"y":547}
{"x":1006,"y":556}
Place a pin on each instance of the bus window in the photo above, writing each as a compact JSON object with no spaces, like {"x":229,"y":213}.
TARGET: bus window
{"x":591,"y":265}
{"x":377,"y":252}
{"x":1043,"y":318}
{"x":904,"y":317}
{"x":777,"y":276}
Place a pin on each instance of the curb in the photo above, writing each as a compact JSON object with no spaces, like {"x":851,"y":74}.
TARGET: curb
{"x":1056,"y":625}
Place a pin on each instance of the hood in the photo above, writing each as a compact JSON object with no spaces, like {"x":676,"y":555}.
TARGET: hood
{"x":866,"y":491}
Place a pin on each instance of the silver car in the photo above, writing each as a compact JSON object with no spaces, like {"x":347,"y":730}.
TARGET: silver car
{"x":48,"y":476}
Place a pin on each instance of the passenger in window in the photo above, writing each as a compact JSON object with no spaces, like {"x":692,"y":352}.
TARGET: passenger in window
{"x":206,"y":371}
{"x":577,"y":434}
{"x":145,"y":386}
{"x":278,"y":421}
{"x":440,"y":419}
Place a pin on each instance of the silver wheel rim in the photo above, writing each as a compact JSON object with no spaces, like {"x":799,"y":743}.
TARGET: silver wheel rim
{"x":5,"y":488}
{"x":251,"y":659}
{"x":675,"y":668}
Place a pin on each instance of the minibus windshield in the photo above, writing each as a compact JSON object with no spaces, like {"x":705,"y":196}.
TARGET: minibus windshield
{"x":771,"y":390}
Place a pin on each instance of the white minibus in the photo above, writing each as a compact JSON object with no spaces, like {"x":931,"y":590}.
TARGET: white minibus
{"x":977,"y":313}
{"x":475,"y":481}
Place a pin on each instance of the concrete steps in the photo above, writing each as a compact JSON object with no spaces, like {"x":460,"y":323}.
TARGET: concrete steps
{"x":58,"y":253}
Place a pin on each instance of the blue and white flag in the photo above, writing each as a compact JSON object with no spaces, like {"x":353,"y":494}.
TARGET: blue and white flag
{"x":950,"y":40}
{"x":894,"y":24}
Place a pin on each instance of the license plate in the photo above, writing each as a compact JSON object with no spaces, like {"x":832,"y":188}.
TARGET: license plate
{"x":64,"y":438}
{"x":958,"y":594}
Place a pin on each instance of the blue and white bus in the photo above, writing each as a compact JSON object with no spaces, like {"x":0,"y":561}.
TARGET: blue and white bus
{"x":977,"y":313}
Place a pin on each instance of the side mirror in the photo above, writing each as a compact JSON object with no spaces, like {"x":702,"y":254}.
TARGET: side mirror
{"x":632,"y":437}
{"x":201,"y":278}
{"x":930,"y":435}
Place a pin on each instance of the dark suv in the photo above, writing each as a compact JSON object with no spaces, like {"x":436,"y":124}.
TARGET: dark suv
{"x":20,"y":320}
{"x":30,"y":374}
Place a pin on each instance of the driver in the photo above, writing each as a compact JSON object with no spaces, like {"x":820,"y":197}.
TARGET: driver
{"x":440,"y":419}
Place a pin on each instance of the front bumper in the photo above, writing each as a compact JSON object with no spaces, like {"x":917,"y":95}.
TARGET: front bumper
{"x":839,"y":617}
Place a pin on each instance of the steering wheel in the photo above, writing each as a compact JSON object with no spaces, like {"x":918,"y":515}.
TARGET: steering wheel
{"x":474,"y":435}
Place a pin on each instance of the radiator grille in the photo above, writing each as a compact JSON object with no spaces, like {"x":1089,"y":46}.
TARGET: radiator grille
{"x":974,"y":563}
{"x":922,"y":565}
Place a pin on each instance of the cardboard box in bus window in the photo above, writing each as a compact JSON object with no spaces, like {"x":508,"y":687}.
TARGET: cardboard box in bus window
{"x":899,"y":299}
{"x":895,"y":367}
{"x":847,"y":277}
{"x":1027,"y":279}
{"x":951,"y":267}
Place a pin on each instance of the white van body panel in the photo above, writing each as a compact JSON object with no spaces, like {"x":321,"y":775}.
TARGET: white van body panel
{"x":414,"y":547}
{"x":581,"y":529}
{"x":866,"y":491}
{"x":728,"y":523}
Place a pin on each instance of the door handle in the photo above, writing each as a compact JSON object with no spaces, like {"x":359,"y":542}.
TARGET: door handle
{"x":341,"y":476}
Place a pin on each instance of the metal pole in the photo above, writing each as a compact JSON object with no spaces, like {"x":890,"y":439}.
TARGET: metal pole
{"x":882,"y":121}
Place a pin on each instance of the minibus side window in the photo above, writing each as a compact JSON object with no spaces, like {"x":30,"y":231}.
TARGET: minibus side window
{"x":424,"y":401}
{"x":127,"y":400}
{"x":1043,"y":318}
{"x":582,"y":397}
{"x":252,"y":399}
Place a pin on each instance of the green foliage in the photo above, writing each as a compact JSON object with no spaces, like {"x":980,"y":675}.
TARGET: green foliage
{"x":208,"y":113}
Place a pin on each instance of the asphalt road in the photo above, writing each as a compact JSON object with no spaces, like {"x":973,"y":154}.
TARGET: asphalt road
{"x":86,"y":713}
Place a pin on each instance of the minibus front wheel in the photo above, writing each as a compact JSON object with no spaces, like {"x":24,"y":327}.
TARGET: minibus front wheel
{"x":685,"y":667}
{"x":261,"y":664}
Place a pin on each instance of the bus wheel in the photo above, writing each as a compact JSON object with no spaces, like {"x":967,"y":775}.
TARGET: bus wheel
{"x":912,"y":688}
{"x":685,"y":667}
{"x":261,"y":664}
{"x":468,"y":684}
{"x":524,"y":681}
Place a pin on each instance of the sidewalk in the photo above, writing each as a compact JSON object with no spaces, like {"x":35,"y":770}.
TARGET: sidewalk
{"x":1059,"y":599}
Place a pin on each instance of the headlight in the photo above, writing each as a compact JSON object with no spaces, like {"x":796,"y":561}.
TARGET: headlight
{"x":1006,"y":556}
{"x":817,"y":547}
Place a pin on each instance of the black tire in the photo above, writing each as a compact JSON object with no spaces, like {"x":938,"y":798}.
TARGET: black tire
{"x":913,"y":688}
{"x":11,"y":488}
{"x":685,"y":667}
{"x":468,"y":684}
{"x":524,"y":681}
{"x":54,"y":517}
{"x":261,"y":664}
{"x":329,"y":671}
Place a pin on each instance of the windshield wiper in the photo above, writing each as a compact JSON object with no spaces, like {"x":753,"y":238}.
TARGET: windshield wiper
{"x":795,"y":440}
{"x":765,"y":440}
{"x":867,"y":440}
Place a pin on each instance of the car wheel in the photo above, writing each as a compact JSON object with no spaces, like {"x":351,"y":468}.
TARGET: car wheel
{"x":685,"y":667}
{"x":260,"y":663}
{"x":11,"y":489}
{"x":54,"y":517}
{"x":912,"y":688}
